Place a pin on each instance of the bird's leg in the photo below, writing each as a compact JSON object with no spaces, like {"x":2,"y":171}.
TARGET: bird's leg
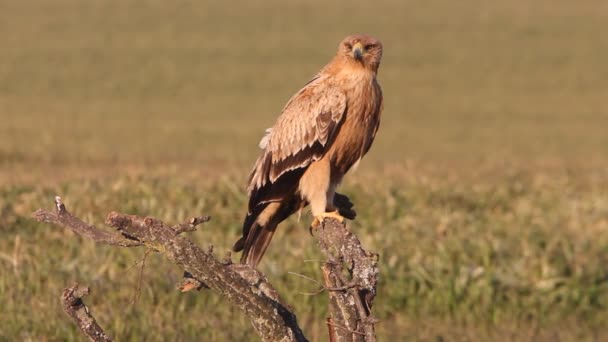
{"x":323,"y":207}
{"x":330,"y":211}
{"x":316,"y":187}
{"x":330,"y":206}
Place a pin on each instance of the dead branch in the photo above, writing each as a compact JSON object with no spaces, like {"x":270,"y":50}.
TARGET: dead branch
{"x":63,"y":218}
{"x":74,"y":307}
{"x":350,"y":296}
{"x":241,"y":285}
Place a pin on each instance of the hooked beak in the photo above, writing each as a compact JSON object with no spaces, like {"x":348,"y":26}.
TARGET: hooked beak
{"x":358,"y":51}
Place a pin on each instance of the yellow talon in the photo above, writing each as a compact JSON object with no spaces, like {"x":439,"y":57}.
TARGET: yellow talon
{"x":316,"y":222}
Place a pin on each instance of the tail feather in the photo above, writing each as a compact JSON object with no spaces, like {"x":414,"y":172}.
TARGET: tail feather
{"x":259,"y":227}
{"x":257,"y":243}
{"x":247,"y":227}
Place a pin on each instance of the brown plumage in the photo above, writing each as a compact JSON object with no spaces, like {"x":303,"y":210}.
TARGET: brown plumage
{"x":324,"y":129}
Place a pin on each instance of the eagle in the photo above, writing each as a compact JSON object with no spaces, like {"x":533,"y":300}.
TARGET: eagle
{"x":323,"y":131}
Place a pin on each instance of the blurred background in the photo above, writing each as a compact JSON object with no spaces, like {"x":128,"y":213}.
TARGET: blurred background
{"x":485,"y":193}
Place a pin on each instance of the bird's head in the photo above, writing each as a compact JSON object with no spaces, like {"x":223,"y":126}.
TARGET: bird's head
{"x":362,"y":49}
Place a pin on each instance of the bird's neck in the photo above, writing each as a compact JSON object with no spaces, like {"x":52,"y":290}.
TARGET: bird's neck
{"x":358,"y":77}
{"x":341,"y":66}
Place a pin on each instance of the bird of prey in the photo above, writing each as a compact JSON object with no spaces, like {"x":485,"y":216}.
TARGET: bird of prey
{"x":324,"y":129}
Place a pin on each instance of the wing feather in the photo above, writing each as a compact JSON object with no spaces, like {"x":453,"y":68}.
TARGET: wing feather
{"x":302,"y":132}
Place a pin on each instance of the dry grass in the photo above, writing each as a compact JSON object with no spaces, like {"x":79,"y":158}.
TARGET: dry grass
{"x":485,"y":193}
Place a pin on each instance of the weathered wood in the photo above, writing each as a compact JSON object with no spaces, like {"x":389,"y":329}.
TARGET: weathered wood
{"x":242,"y":286}
{"x":72,"y":303}
{"x":350,"y":296}
{"x":63,"y":218}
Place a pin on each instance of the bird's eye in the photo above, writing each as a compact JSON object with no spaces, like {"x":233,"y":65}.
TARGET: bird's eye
{"x":370,"y":46}
{"x":349,"y":46}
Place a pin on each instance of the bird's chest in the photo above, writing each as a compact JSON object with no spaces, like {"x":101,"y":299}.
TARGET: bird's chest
{"x":357,"y":131}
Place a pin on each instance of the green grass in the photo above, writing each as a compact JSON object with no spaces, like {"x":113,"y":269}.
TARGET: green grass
{"x":485,"y":192}
{"x":507,"y":251}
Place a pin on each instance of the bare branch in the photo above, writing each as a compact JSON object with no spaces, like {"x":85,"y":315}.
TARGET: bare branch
{"x":305,"y":277}
{"x":63,"y":218}
{"x":350,"y":299}
{"x":322,"y":288}
{"x":240,"y":284}
{"x":74,"y":307}
{"x":191,"y":224}
{"x":350,"y":273}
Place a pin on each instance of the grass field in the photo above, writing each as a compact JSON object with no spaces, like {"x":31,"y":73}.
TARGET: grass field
{"x":486,"y":192}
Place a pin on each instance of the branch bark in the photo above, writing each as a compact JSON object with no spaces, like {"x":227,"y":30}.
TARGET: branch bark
{"x":350,"y":273}
{"x":72,"y":303}
{"x":351,"y":276}
{"x":241,"y":285}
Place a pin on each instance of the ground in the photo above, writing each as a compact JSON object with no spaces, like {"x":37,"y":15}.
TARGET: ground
{"x":485,"y":193}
